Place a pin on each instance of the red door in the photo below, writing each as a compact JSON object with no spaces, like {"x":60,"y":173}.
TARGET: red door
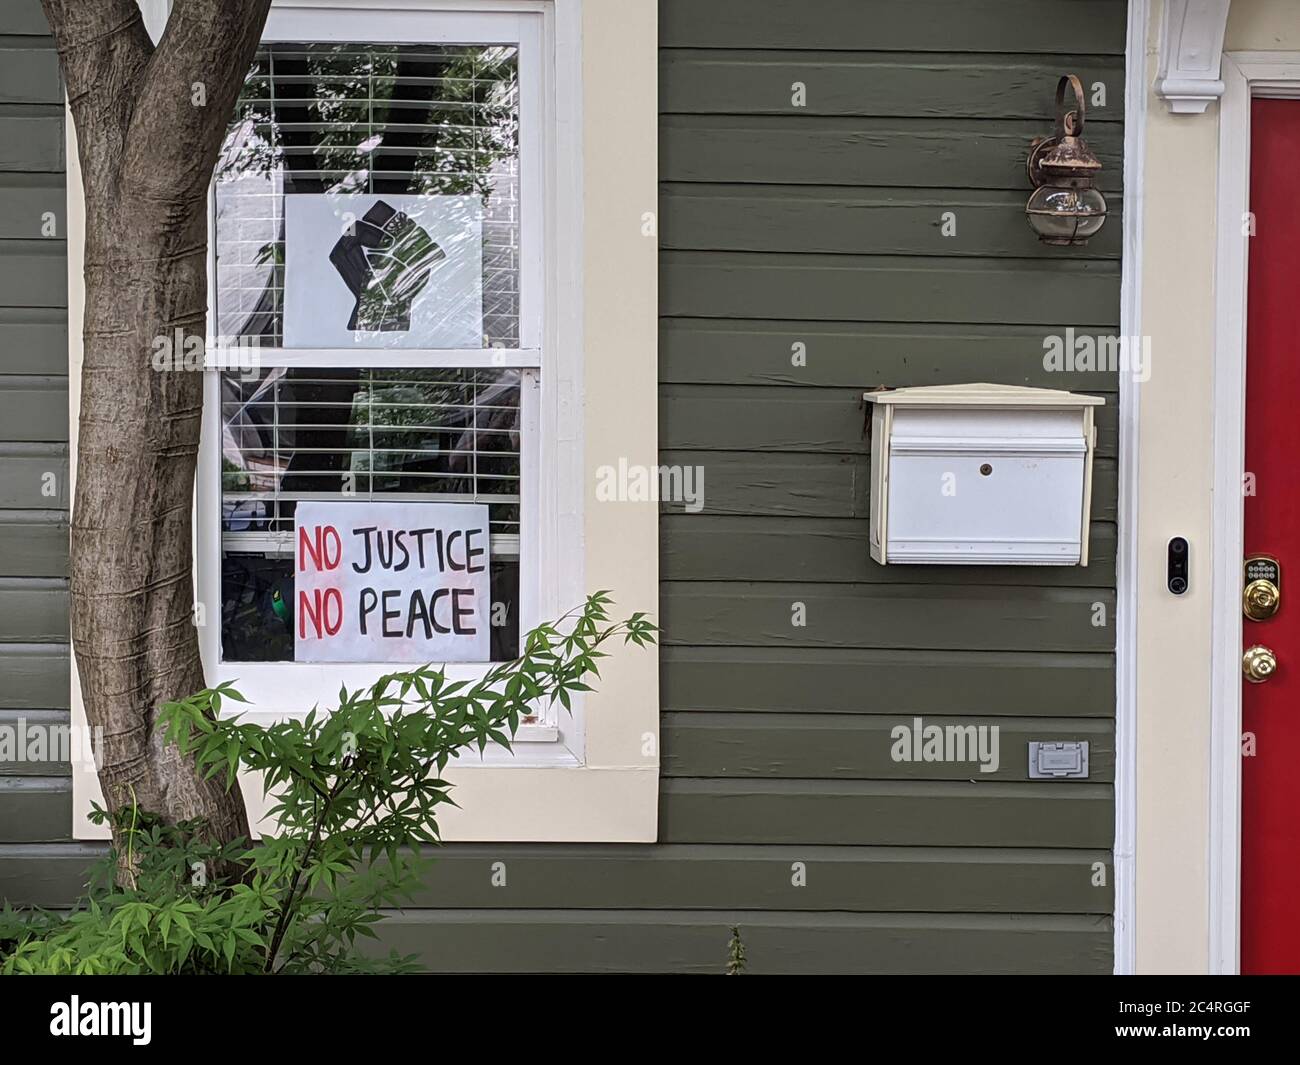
{"x":1270,"y":799}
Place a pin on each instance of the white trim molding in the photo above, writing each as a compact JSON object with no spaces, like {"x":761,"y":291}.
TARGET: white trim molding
{"x":1229,"y":384}
{"x":1246,"y":75}
{"x":1124,"y":866}
{"x":1191,"y":48}
{"x":550,"y":579}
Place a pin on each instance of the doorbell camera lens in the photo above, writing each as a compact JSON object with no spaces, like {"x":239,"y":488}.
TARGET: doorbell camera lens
{"x":1178,"y":571}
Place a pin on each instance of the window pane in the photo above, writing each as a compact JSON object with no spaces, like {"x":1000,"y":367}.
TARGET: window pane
{"x":414,"y":150}
{"x":433,"y":435}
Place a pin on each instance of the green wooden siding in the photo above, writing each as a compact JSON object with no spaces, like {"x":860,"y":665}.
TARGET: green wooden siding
{"x":822,"y":225}
{"x":35,"y":797}
{"x":778,"y":225}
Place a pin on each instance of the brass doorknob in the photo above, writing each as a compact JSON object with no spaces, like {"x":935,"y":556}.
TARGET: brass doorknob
{"x":1260,"y":600}
{"x":1258,"y":664}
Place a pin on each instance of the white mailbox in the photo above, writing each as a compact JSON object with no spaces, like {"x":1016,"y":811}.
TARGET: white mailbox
{"x":981,"y":474}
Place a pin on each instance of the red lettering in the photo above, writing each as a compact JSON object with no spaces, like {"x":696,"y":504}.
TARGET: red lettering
{"x":308,"y":610}
{"x":324,"y":548}
{"x":324,"y":610}
{"x":335,"y":597}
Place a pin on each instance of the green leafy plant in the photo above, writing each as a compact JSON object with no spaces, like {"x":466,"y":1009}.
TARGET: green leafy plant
{"x":355,"y":795}
{"x":735,"y":953}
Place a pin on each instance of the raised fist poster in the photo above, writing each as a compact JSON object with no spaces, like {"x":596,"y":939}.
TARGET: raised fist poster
{"x":383,"y":271}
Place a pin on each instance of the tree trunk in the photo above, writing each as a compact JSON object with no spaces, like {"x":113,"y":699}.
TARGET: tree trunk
{"x":150,"y":124}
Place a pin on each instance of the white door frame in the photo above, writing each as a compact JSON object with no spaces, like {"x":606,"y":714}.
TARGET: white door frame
{"x":1245,"y":75}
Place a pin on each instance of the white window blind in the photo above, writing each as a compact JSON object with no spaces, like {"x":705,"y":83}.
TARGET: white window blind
{"x":438,"y":436}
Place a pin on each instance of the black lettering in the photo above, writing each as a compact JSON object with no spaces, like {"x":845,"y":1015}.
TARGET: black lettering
{"x":419,"y":611}
{"x":457,"y":611}
{"x":419,"y":535}
{"x":472,"y":552}
{"x":399,"y":540}
{"x":393,"y":614}
{"x":366,"y":607}
{"x":385,"y":558}
{"x":365,"y":539}
{"x":441,"y":593}
{"x":451,"y":560}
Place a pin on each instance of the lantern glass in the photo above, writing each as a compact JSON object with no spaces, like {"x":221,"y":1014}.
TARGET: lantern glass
{"x":1065,"y":215}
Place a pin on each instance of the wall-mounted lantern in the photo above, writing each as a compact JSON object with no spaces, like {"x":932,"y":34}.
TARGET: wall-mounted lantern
{"x":1065,"y":208}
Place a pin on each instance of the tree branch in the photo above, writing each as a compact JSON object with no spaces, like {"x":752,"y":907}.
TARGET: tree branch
{"x":289,"y":904}
{"x":189,"y":90}
{"x":96,"y":40}
{"x":103,"y":50}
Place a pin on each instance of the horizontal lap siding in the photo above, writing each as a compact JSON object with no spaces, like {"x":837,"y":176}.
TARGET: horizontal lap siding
{"x":1012,"y":27}
{"x":35,"y":793}
{"x":686,"y":941}
{"x":822,"y":226}
{"x":779,"y":226}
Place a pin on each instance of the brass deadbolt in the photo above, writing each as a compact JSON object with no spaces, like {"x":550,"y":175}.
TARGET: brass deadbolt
{"x":1258,"y":664}
{"x":1262,"y":576}
{"x":1260,"y":600}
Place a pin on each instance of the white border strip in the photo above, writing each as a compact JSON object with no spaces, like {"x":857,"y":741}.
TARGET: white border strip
{"x":1245,"y":75}
{"x":1228,"y":421}
{"x":1126,"y":556}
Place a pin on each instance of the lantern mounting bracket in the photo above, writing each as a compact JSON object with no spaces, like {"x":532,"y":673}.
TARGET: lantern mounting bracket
{"x":1064,"y":152}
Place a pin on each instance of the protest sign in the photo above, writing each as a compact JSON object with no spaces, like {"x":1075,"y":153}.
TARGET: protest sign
{"x":391,"y":582}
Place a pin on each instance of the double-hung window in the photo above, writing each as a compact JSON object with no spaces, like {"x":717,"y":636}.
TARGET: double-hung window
{"x":379,"y":318}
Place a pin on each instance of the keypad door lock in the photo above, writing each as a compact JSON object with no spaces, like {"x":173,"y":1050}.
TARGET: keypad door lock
{"x":1262,"y":595}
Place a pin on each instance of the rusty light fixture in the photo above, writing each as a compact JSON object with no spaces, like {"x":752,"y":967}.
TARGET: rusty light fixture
{"x":1065,"y":208}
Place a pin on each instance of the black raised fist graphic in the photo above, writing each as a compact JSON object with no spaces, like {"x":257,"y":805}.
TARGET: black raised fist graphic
{"x":385,"y":261}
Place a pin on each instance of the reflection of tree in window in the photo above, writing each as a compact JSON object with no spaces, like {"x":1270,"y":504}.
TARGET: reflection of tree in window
{"x":396,"y":120}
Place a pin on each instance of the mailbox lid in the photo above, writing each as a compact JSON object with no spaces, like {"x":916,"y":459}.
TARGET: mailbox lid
{"x":982,"y":395}
{"x":1015,"y":430}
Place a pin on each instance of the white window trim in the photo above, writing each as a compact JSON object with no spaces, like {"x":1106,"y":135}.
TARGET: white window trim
{"x":550,"y":575}
{"x":602,"y":281}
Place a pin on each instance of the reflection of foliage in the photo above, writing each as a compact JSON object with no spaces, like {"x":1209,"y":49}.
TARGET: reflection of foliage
{"x":432,"y":413}
{"x":356,"y":108}
{"x":271,"y":255}
{"x":345,"y":119}
{"x":233,"y":479}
